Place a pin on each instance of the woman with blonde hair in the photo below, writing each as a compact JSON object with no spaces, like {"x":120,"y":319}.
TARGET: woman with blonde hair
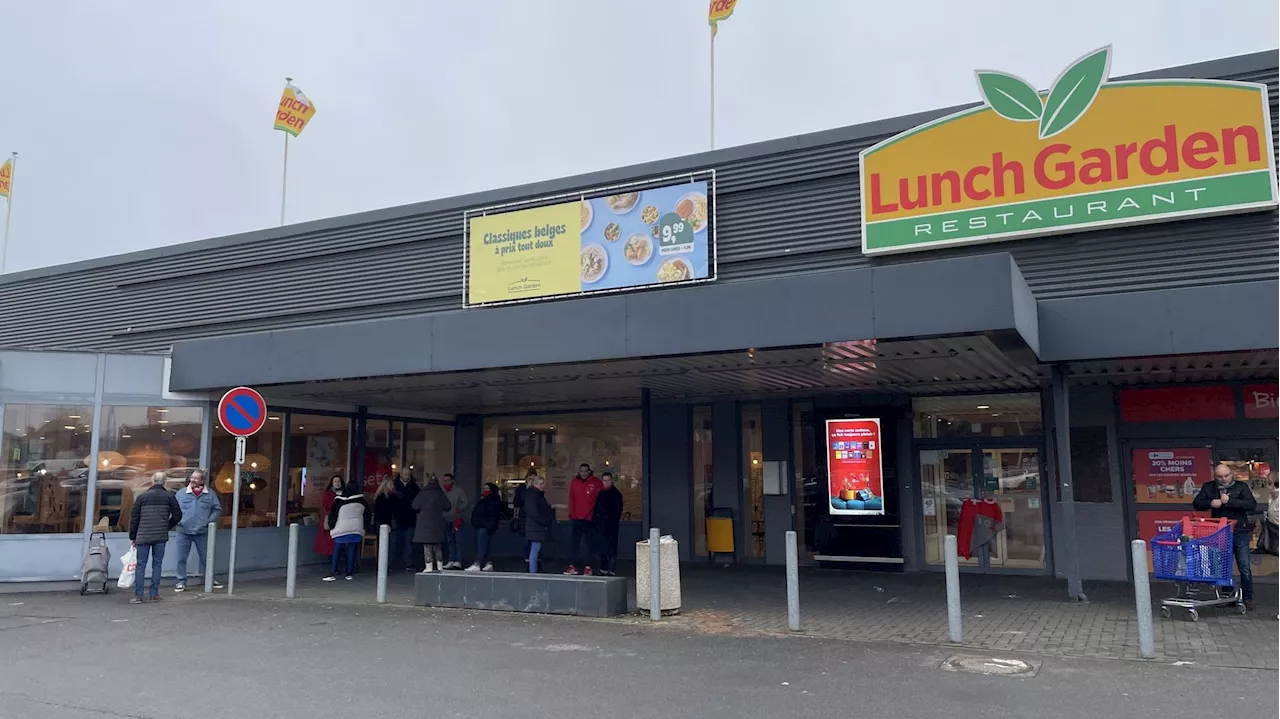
{"x":386,"y":505}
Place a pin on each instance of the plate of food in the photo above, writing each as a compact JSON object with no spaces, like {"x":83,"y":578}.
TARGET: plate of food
{"x":612,"y":231}
{"x":692,"y":207}
{"x":587,"y":214}
{"x":675,"y":269}
{"x":638,"y":249}
{"x":594,"y":263}
{"x":649,"y":214}
{"x":623,"y":203}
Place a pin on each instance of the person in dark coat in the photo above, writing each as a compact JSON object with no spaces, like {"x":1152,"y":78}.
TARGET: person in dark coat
{"x":485,"y":517}
{"x":1228,"y":498}
{"x":386,"y":505}
{"x":606,"y":517}
{"x":538,"y":519}
{"x":404,"y":549}
{"x":430,"y":506}
{"x":154,"y":513}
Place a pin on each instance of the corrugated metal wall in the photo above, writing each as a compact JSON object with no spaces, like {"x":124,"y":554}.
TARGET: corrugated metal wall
{"x":790,"y":212}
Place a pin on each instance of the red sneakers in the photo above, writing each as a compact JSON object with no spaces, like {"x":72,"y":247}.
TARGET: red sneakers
{"x":571,"y":570}
{"x":586,"y":571}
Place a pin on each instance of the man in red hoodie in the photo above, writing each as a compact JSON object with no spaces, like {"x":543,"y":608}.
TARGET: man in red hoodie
{"x":583,"y":490}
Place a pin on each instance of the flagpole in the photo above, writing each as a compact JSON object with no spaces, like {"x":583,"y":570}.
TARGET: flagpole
{"x":284,"y":176}
{"x":713,"y":87}
{"x":8,"y":211}
{"x":284,"y":179}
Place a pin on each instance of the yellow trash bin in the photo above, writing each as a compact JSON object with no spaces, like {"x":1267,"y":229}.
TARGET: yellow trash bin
{"x":720,"y":533}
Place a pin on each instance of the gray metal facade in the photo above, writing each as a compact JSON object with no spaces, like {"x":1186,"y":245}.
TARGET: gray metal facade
{"x":784,"y":207}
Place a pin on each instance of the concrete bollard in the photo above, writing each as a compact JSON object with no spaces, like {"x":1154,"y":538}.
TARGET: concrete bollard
{"x":384,"y":544}
{"x":1142,"y":597}
{"x":655,"y":574}
{"x":793,"y":583}
{"x":954,"y":625}
{"x":291,"y":569}
{"x":211,"y":541}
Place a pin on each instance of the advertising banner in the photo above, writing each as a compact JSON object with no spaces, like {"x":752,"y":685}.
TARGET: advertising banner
{"x":1170,"y":476}
{"x":1260,"y":401}
{"x":1087,"y":153}
{"x":659,"y":235}
{"x":855,"y":475}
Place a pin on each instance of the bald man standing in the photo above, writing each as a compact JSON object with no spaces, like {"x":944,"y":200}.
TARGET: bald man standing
{"x":1226,"y":497}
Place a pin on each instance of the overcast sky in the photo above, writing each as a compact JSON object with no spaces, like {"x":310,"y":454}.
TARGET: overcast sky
{"x":143,"y":123}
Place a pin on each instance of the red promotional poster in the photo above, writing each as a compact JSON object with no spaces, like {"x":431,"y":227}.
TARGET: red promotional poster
{"x":1170,"y":476}
{"x":1260,"y":401}
{"x":854,"y":471}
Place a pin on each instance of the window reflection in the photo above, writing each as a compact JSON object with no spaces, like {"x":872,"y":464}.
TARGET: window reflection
{"x":319,"y":447}
{"x":259,"y":476}
{"x":44,"y":471}
{"x":133,"y":443}
{"x":991,"y":415}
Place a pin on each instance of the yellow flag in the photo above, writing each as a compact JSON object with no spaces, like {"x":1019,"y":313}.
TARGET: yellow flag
{"x":295,"y":110}
{"x":6,"y":177}
{"x":719,"y":10}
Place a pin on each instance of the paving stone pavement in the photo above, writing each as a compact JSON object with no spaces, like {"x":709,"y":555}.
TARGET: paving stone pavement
{"x":1003,"y":613}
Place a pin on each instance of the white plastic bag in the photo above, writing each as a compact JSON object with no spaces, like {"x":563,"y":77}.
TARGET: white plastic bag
{"x":129,"y":562}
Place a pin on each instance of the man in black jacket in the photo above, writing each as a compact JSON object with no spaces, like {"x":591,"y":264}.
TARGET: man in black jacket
{"x":402,"y":544}
{"x":607,"y":516}
{"x":154,"y":513}
{"x":1230,"y":499}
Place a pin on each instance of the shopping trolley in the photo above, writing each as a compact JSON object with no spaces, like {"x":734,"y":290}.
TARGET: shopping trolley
{"x":1196,"y":554}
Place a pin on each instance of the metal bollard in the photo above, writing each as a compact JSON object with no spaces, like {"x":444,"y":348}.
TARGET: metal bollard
{"x":953,"y":590}
{"x":384,"y":543}
{"x":291,"y":569}
{"x":793,"y":583}
{"x":209,"y":543}
{"x":655,"y":574}
{"x":1142,"y":596}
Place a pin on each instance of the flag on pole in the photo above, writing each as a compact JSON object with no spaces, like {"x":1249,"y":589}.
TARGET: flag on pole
{"x":295,"y":110}
{"x":719,"y":11}
{"x":6,"y":178}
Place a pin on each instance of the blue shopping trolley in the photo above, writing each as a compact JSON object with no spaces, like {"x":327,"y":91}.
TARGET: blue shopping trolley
{"x":1196,"y":554}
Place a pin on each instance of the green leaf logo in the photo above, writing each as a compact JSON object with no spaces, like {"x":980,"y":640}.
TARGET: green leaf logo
{"x":1074,"y":91}
{"x":1010,"y":96}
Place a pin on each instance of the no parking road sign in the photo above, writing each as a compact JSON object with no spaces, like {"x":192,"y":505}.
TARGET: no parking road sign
{"x":242,"y":412}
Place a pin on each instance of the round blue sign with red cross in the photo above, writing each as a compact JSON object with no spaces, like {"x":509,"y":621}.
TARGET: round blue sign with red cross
{"x":242,"y":411}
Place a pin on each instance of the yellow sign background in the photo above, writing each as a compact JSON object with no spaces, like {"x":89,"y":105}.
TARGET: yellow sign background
{"x":1124,"y":112}
{"x":512,"y":256}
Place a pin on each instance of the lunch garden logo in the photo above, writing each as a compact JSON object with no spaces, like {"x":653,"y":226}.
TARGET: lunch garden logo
{"x":524,"y":284}
{"x":1086,"y":154}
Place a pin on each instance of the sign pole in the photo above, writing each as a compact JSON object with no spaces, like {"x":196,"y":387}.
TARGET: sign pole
{"x":235,"y":515}
{"x":284,"y":179}
{"x":8,"y":212}
{"x":713,"y":87}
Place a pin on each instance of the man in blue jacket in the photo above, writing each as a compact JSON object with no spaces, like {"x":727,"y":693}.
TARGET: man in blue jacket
{"x":200,"y":506}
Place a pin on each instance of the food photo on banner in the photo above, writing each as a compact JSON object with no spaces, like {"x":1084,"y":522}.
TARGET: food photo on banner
{"x":1170,"y":475}
{"x":854,"y":472}
{"x":654,"y":236}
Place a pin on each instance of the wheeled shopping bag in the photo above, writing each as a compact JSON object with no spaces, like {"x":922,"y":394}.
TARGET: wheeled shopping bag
{"x":93,"y":571}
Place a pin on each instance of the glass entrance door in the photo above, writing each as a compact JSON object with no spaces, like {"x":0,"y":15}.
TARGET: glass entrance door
{"x":1011,"y":477}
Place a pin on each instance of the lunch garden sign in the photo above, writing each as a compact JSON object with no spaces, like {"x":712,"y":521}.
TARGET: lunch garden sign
{"x":1088,"y":153}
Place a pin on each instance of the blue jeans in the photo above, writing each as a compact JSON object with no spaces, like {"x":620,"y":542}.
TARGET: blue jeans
{"x":482,"y":546}
{"x":156,"y":553}
{"x":1240,"y":547}
{"x":351,"y":548}
{"x":182,"y":545}
{"x":451,"y":544}
{"x":534,"y":549}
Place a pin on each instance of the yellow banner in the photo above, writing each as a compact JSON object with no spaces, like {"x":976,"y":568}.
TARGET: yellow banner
{"x":295,"y":111}
{"x":525,"y":254}
{"x":718,"y":11}
{"x":6,"y":178}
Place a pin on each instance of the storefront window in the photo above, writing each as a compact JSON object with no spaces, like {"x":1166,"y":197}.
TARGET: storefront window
{"x":380,"y":459}
{"x":319,"y":448}
{"x":554,"y":445}
{"x":134,"y":442}
{"x":702,"y":477}
{"x":810,"y":479}
{"x":44,"y":473}
{"x":428,"y":449}
{"x":259,"y":475}
{"x":753,"y":477}
{"x":993,"y":415}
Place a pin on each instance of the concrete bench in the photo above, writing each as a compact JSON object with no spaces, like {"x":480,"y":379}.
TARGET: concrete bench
{"x":520,"y":592}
